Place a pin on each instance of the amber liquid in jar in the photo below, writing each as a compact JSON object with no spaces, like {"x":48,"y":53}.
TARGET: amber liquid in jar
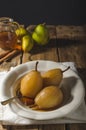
{"x":8,"y":37}
{"x":8,"y":40}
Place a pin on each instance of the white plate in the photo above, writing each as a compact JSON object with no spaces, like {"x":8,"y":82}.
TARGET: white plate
{"x":71,"y":83}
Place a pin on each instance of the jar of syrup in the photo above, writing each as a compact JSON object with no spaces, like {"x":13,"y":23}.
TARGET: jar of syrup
{"x":8,"y":37}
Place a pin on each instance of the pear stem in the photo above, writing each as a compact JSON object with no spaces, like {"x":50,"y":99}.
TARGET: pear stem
{"x":66,"y":69}
{"x":36,"y":66}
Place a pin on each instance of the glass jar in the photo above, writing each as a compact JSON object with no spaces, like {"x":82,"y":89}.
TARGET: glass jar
{"x":8,"y":37}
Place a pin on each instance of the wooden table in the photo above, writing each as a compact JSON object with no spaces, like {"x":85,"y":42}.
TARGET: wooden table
{"x":67,"y":43}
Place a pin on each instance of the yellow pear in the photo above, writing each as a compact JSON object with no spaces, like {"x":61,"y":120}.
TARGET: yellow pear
{"x":27,"y":43}
{"x":21,"y":31}
{"x":49,"y":97}
{"x":31,"y":83}
{"x":53,"y":77}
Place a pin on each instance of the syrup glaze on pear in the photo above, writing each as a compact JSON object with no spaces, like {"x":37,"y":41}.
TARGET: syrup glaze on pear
{"x":47,"y":98}
{"x":53,"y":77}
{"x":31,"y":83}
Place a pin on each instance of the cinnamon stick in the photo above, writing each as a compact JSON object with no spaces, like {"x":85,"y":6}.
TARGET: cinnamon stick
{"x":9,"y":56}
{"x":4,"y":53}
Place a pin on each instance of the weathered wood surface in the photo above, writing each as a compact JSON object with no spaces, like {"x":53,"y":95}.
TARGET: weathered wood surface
{"x":67,"y":43}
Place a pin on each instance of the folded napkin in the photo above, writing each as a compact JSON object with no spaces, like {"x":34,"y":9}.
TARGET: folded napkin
{"x":8,"y":117}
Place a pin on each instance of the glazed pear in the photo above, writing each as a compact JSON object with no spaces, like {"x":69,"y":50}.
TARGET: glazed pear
{"x":31,"y":83}
{"x":49,"y":97}
{"x":53,"y":77}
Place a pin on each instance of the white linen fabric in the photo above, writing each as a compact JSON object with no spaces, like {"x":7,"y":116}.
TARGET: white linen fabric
{"x":8,"y":117}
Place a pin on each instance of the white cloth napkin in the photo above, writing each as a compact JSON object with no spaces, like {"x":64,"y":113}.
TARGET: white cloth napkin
{"x":7,"y":117}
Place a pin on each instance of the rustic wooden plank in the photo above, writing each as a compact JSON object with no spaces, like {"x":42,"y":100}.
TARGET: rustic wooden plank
{"x":76,"y":127}
{"x":74,"y":49}
{"x":14,"y":61}
{"x":52,"y":127}
{"x":17,"y":60}
{"x":1,"y":127}
{"x":35,"y":127}
{"x":73,"y":52}
{"x":5,"y":66}
{"x":50,"y":54}
{"x":23,"y":127}
{"x":71,"y":32}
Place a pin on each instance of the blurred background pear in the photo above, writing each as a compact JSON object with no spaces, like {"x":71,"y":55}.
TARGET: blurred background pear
{"x":21,"y":32}
{"x":27,"y":43}
{"x":41,"y":34}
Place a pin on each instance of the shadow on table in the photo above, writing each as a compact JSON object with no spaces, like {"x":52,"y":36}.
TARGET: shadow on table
{"x":43,"y":48}
{"x":53,"y":43}
{"x":67,"y":42}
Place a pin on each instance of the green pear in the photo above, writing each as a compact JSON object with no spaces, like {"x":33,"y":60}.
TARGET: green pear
{"x":41,"y":34}
{"x":21,"y":31}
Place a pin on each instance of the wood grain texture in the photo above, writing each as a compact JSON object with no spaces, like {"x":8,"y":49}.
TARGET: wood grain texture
{"x":71,"y":32}
{"x":73,"y":48}
{"x":67,"y":43}
{"x":76,"y":127}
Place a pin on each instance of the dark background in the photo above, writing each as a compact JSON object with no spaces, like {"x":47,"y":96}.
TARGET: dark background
{"x":50,"y":11}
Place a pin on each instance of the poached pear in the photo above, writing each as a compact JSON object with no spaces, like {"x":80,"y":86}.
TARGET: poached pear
{"x":31,"y":83}
{"x":53,"y":77}
{"x":49,"y":97}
